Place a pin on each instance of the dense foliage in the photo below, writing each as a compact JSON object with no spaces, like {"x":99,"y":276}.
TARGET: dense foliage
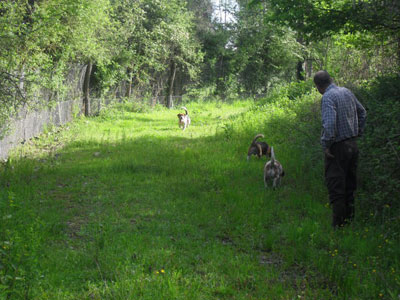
{"x":131,"y":43}
{"x":39,"y":40}
{"x":380,"y":148}
{"x":163,"y":48}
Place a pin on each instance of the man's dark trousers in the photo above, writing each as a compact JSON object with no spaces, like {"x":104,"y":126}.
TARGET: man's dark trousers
{"x":341,"y":180}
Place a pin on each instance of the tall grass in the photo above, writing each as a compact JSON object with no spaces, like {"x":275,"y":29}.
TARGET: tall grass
{"x":128,"y":206}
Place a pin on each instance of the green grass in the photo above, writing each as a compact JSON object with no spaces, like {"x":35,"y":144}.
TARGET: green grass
{"x":128,"y":206}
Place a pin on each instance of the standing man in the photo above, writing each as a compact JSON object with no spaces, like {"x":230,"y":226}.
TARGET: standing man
{"x":343,"y":120}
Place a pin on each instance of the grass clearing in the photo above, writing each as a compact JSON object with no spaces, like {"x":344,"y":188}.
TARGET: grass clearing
{"x":128,"y":206}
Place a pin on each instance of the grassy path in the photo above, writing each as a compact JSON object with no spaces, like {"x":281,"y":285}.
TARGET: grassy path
{"x":127,"y":206}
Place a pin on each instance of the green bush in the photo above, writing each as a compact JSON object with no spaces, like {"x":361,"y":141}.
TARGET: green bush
{"x":380,"y":149}
{"x":292,"y":91}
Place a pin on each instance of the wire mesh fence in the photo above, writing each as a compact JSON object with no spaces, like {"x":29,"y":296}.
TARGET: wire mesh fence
{"x":30,"y":123}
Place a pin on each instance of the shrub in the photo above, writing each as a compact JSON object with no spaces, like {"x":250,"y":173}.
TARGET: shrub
{"x":380,"y":148}
{"x":292,"y":91}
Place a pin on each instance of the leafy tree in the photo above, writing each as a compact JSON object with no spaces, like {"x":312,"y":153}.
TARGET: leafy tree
{"x":38,"y":42}
{"x":183,"y":49}
{"x":217,"y":68}
{"x":319,"y":19}
{"x":264,"y":51}
{"x":88,"y":36}
{"x":155,"y":41}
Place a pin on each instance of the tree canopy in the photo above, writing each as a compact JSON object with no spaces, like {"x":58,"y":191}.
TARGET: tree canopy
{"x":164,"y":48}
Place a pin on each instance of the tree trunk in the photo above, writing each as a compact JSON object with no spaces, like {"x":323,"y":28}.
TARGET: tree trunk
{"x":398,"y":55}
{"x":156,"y":91}
{"x":299,"y":66}
{"x":299,"y":71}
{"x":86,"y":89}
{"x":171,"y":80}
{"x":309,"y":65}
{"x":129,"y":87}
{"x":21,"y":84}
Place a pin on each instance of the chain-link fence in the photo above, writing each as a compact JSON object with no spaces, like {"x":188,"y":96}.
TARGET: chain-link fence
{"x":28,"y":124}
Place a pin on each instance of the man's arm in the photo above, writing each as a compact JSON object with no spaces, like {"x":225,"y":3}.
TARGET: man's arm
{"x":328,"y":110}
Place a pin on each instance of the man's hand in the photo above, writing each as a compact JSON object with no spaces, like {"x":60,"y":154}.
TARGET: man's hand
{"x":328,"y":153}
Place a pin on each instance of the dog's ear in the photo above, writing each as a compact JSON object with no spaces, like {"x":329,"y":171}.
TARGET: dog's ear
{"x":269,"y":151}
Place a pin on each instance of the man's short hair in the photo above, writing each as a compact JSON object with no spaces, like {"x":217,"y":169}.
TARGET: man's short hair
{"x":322,"y":79}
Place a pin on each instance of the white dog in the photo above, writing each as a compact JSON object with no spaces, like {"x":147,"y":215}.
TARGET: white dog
{"x":273,"y":171}
{"x":184,"y":119}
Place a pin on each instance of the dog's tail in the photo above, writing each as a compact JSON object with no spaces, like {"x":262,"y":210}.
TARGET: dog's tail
{"x":257,"y":137}
{"x":272,"y":156}
{"x":186,"y":111}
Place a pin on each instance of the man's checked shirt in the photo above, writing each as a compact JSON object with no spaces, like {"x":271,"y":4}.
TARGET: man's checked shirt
{"x":343,"y":116}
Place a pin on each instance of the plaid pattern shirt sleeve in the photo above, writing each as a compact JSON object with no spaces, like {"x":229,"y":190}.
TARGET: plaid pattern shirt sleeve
{"x":329,"y":112}
{"x":343,"y":116}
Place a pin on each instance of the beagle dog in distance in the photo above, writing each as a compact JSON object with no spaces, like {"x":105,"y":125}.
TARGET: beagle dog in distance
{"x":273,"y":171}
{"x":258,"y":148}
{"x":184,"y":119}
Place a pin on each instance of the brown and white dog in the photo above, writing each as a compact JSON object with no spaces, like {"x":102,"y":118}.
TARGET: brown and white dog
{"x":258,"y":148}
{"x":273,"y":171}
{"x":184,"y":119}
